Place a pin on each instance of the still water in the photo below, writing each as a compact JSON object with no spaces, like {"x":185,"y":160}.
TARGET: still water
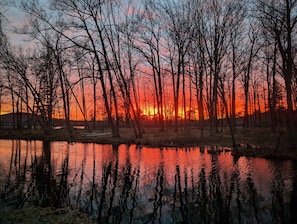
{"x":127,"y":184}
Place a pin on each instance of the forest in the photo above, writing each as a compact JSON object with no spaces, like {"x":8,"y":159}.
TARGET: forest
{"x":175,"y":63}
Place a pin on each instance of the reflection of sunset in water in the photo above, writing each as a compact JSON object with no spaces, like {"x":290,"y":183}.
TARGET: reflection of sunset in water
{"x":154,"y":180}
{"x":148,"y":160}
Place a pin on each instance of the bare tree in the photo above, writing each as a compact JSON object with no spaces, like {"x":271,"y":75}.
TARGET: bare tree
{"x":53,"y":71}
{"x":86,"y":69}
{"x":128,"y":63}
{"x":270,"y":67}
{"x":199,"y":66}
{"x":150,"y":47}
{"x":218,"y":24}
{"x":82,"y":17}
{"x":246,"y":76}
{"x":2,"y":44}
{"x":236,"y":56}
{"x":180,"y":32}
{"x":22,"y":78}
{"x":279,"y":19}
{"x":100,"y":38}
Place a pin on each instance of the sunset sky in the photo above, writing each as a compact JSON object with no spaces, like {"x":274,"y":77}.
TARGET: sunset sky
{"x":145,"y":87}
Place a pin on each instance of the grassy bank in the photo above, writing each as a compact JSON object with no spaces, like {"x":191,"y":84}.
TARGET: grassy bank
{"x":36,"y":215}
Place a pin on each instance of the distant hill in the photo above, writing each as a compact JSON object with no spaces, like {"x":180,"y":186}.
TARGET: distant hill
{"x":7,"y":119}
{"x":23,"y":120}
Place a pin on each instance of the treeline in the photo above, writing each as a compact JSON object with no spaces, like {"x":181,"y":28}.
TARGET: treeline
{"x":181,"y":57}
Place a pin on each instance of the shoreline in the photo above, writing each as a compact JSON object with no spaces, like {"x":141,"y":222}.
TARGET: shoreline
{"x":257,"y":142}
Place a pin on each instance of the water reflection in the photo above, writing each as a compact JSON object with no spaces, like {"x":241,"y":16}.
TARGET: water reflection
{"x":127,"y":184}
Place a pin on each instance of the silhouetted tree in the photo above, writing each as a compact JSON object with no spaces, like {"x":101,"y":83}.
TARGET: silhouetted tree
{"x":217,"y":28}
{"x":149,"y":45}
{"x":236,"y":56}
{"x":246,"y":75}
{"x":279,"y":19}
{"x":82,"y":17}
{"x":179,"y":32}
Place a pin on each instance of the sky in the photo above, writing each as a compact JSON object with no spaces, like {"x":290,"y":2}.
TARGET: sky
{"x":14,"y":18}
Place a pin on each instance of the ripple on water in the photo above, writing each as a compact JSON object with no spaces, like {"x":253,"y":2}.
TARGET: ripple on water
{"x":204,"y":184}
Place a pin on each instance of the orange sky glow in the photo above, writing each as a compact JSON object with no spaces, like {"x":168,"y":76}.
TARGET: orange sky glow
{"x":147,"y":105}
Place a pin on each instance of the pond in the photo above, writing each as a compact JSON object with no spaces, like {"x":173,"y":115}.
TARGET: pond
{"x":130,"y":184}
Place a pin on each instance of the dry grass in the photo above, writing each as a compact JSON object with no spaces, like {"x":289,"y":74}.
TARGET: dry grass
{"x":36,"y":215}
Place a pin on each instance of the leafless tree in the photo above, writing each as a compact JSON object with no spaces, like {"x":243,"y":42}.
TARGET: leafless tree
{"x":180,"y":33}
{"x":2,"y":44}
{"x":197,"y":54}
{"x":127,"y":63}
{"x":252,"y":50}
{"x":279,"y":19}
{"x":54,"y":72}
{"x":89,"y":19}
{"x":270,"y":61}
{"x":237,"y":55}
{"x":218,"y":24}
{"x":150,"y":47}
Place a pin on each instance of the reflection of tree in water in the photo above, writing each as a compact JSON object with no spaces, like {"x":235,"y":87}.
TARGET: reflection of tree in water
{"x":232,"y":201}
{"x":34,"y":183}
{"x":215,"y":197}
{"x":12,"y":184}
{"x":284,"y":206}
{"x":208,"y":203}
{"x":159,"y":191}
{"x":118,"y":195}
{"x":52,"y":188}
{"x":293,"y":199}
{"x":112,"y":198}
